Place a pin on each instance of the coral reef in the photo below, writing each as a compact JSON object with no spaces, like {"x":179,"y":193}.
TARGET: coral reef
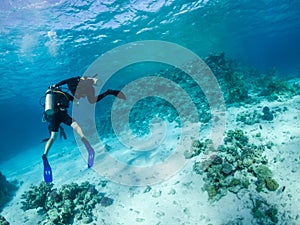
{"x":257,"y":116}
{"x":267,"y":114}
{"x":7,"y":190}
{"x":237,"y":221}
{"x":239,"y":83}
{"x":72,"y":202}
{"x":237,"y":161}
{"x":3,"y":221}
{"x":249,"y":118}
{"x":276,"y":88}
{"x":36,"y":196}
{"x":149,"y":108}
{"x":263,"y":212}
{"x":233,"y":85}
{"x":264,"y":178}
{"x":197,"y":148}
{"x":237,"y":164}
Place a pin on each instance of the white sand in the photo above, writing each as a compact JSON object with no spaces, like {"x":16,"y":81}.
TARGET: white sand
{"x":180,"y":199}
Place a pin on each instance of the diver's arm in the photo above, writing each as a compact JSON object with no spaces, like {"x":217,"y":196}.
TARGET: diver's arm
{"x":63,"y":82}
{"x":66,"y":81}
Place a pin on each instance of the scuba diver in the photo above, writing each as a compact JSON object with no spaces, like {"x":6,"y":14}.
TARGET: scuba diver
{"x":56,"y":105}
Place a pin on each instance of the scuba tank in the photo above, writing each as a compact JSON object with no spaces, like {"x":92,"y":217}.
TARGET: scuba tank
{"x":55,"y":100}
{"x":49,"y":102}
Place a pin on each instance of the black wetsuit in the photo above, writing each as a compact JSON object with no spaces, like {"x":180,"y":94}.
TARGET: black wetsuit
{"x":73,"y":82}
{"x":62,"y":100}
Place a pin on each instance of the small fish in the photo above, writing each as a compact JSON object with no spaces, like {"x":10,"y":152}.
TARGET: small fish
{"x":280,"y":190}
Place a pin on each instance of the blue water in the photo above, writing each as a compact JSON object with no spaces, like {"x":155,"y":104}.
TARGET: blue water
{"x":43,"y":42}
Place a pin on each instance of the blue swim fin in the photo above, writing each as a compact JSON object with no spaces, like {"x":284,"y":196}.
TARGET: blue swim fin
{"x":91,"y":157}
{"x":47,"y":170}
{"x":91,"y":152}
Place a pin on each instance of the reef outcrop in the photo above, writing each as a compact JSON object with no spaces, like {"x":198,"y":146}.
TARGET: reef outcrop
{"x":71,"y":203}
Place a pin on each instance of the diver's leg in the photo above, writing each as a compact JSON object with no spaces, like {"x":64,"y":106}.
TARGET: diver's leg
{"x":47,"y":168}
{"x":77,"y":128}
{"x":103,"y":95}
{"x":89,"y":148}
{"x":50,"y":142}
{"x":116,"y":93}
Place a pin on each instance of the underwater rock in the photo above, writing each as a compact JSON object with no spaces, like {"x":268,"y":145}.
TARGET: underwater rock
{"x":197,"y":148}
{"x":245,"y":182}
{"x":260,"y":185}
{"x":55,"y":196}
{"x":267,"y":114}
{"x":266,"y":110}
{"x":227,"y":168}
{"x":235,"y":185}
{"x":103,"y":183}
{"x":237,"y":221}
{"x":7,"y":190}
{"x":36,"y":196}
{"x":197,"y":144}
{"x":71,"y":201}
{"x":271,"y":184}
{"x":197,"y":168}
{"x":156,"y":194}
{"x":87,"y":219}
{"x":237,"y":136}
{"x":272,"y":213}
{"x":263,"y":212}
{"x":3,"y":221}
{"x":105,"y":201}
{"x":216,"y":160}
{"x":53,"y":215}
{"x":235,"y":182}
{"x":172,"y":192}
{"x":211,"y":191}
{"x":247,"y":163}
{"x":203,"y":166}
{"x":214,"y":172}
{"x":264,"y":178}
{"x":188,"y":154}
{"x":139,"y":220}
{"x":262,"y":172}
{"x":248,"y":118}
